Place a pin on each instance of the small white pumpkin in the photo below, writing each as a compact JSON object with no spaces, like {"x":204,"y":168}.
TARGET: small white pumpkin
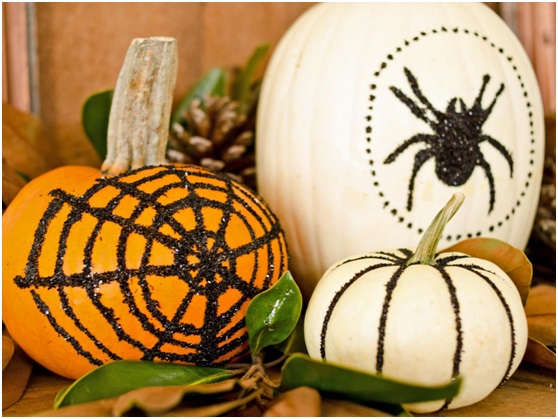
{"x":371,"y":111}
{"x":420,"y":317}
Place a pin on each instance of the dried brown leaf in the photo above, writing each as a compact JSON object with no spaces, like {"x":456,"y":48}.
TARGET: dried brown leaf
{"x":302,"y":401}
{"x":156,"y":400}
{"x":96,"y":408}
{"x":15,"y":377}
{"x":510,"y":259}
{"x":541,"y":314}
{"x":341,"y":408}
{"x":11,"y":182}
{"x":537,"y":353}
{"x":7,"y":350}
{"x":216,"y":409}
{"x":23,"y":143}
{"x":542,"y":300}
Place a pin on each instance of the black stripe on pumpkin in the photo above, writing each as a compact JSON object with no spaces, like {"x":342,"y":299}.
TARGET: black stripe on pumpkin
{"x":392,"y":258}
{"x":475,"y":269}
{"x":390,"y":287}
{"x":458,"y":327}
{"x":340,"y":293}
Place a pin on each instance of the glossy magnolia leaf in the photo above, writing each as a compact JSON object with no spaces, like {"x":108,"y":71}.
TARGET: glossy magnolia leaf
{"x":149,"y":400}
{"x":213,"y":83}
{"x":241,"y":88}
{"x":273,"y":314}
{"x":301,"y":370}
{"x":510,"y":259}
{"x":95,"y":115}
{"x":295,"y":342}
{"x":120,"y":377}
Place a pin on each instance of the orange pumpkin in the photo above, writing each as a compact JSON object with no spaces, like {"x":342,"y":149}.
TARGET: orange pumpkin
{"x":156,"y":263}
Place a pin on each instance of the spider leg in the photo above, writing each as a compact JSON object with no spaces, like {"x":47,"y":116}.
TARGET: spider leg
{"x":451,"y":106}
{"x":414,"y":108}
{"x":419,"y":138}
{"x":488,"y":172}
{"x":477,"y":106}
{"x":478,"y":100}
{"x":420,"y":158}
{"x":503,"y":150}
{"x":488,"y":110}
{"x":416,"y":90}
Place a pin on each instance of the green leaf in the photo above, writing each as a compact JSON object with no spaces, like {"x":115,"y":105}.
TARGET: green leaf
{"x":213,"y":83}
{"x":120,"y":377}
{"x":272,"y":315}
{"x":242,"y":85}
{"x":295,"y":342}
{"x":335,"y":380}
{"x":95,"y":119}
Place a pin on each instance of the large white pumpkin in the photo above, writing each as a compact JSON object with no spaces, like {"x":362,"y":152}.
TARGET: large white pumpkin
{"x":368,"y":109}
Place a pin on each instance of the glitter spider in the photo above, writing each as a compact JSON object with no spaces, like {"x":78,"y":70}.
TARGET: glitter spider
{"x":455,"y":144}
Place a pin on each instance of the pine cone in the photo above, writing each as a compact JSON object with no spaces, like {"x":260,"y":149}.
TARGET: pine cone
{"x":218,"y":136}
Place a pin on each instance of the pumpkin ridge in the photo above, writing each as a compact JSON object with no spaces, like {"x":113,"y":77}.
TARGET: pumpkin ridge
{"x":43,"y":308}
{"x":475,"y":269}
{"x":336,"y":299}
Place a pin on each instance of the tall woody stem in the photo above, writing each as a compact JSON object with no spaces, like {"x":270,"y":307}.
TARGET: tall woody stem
{"x":140,"y":111}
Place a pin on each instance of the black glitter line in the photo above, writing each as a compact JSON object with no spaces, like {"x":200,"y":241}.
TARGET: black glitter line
{"x":89,"y":280}
{"x":83,"y":280}
{"x":43,"y":308}
{"x":390,"y":287}
{"x":170,"y":330}
{"x":32,"y":266}
{"x":102,"y":215}
{"x":475,"y":269}
{"x":66,"y":307}
{"x":518,"y":75}
{"x":458,"y":327}
{"x":336,"y":299}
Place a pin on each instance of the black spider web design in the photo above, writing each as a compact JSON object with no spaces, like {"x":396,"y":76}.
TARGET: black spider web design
{"x":212,"y":275}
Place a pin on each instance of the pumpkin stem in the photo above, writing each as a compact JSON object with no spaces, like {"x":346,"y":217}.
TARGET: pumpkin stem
{"x":140,"y":111}
{"x":426,"y":249}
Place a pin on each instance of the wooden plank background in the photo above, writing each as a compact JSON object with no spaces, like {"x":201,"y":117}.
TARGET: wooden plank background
{"x":81,"y":47}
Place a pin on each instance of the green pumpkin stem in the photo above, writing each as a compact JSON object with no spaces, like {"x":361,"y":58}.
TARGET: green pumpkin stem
{"x":141,"y":106}
{"x":426,"y":249}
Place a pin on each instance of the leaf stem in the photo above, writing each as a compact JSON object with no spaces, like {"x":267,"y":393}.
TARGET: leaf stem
{"x":426,"y":249}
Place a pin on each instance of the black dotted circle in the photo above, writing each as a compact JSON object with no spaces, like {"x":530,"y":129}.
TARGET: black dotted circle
{"x":368,"y":129}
